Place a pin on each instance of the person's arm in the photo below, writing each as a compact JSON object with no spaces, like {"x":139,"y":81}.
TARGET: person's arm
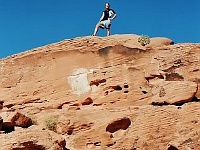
{"x":114,"y":16}
{"x":102,"y":16}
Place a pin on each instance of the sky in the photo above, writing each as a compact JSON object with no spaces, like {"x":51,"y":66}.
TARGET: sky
{"x":27,"y":24}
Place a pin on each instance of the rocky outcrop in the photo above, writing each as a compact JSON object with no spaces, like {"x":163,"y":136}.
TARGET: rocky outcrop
{"x":32,"y":138}
{"x":12,"y":119}
{"x":176,"y":92}
{"x":102,"y":93}
{"x":160,"y":42}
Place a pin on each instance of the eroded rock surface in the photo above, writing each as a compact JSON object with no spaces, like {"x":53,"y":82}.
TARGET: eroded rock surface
{"x":97,"y":93}
{"x":166,"y":92}
{"x":32,"y":139}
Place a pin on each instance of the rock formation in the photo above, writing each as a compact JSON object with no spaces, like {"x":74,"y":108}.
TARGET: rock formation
{"x":33,"y":138}
{"x":102,"y":93}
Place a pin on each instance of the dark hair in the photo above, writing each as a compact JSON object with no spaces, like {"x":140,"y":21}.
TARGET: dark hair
{"x":107,"y":3}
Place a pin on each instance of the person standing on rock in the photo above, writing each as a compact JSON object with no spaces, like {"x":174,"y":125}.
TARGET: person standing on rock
{"x":105,"y":20}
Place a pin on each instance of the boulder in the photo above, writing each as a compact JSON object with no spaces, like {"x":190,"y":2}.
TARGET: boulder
{"x":15,"y":119}
{"x":173,"y":92}
{"x":87,"y":101}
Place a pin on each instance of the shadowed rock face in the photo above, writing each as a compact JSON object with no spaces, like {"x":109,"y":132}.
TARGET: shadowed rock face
{"x":30,"y":145}
{"x":103,"y":93}
{"x":122,"y":123}
{"x":1,"y":123}
{"x":1,"y":104}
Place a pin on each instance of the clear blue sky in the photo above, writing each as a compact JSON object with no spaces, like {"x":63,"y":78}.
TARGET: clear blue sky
{"x":26,"y":24}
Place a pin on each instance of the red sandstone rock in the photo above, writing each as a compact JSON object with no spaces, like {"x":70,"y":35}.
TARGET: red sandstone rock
{"x":176,"y":92}
{"x":15,"y":119}
{"x":53,"y":80}
{"x":97,"y":82}
{"x":31,"y":139}
{"x":87,"y":101}
{"x":160,"y":41}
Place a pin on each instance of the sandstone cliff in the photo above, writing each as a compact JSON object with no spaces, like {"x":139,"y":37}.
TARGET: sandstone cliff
{"x":107,"y":93}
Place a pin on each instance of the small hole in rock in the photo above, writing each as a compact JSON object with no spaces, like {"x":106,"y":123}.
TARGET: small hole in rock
{"x":70,"y":131}
{"x":171,"y":147}
{"x":97,"y":143}
{"x":117,"y":88}
{"x":126,"y":86}
{"x":144,"y":92}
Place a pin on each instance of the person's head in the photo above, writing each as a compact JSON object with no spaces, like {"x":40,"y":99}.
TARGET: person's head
{"x":107,"y":5}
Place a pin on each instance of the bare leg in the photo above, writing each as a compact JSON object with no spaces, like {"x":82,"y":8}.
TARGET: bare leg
{"x":96,"y":30}
{"x":108,"y":32}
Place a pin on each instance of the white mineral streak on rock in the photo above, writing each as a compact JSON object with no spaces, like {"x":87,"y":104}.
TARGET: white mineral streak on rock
{"x":79,"y":82}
